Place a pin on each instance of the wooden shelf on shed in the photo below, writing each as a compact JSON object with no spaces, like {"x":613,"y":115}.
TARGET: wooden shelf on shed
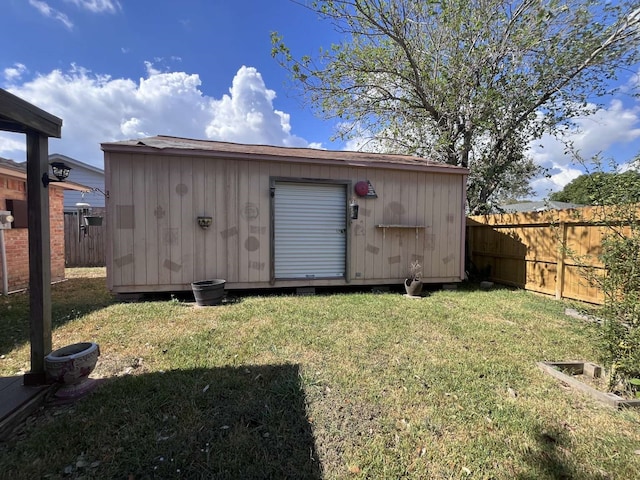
{"x":385,"y":226}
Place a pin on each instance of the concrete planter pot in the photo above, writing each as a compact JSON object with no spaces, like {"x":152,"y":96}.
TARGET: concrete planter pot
{"x":413,"y":287}
{"x":71,"y":366}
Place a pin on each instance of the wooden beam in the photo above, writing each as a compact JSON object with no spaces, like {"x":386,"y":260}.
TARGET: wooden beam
{"x":8,"y":126}
{"x":561,"y":261}
{"x":21,"y":116}
{"x":39,"y":256}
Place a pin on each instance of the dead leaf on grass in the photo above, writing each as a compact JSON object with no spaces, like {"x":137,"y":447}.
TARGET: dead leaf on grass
{"x":354,"y":469}
{"x":402,"y":424}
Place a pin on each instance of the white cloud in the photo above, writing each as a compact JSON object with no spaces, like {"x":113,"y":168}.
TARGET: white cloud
{"x":542,"y":187}
{"x":98,"y":108}
{"x":98,"y":6}
{"x":607,"y":128}
{"x":247,"y":114}
{"x":14,"y":73}
{"x":47,"y":11}
{"x":13,"y":146}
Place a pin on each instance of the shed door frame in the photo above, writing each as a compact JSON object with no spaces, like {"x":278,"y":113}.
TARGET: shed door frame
{"x":317,"y":181}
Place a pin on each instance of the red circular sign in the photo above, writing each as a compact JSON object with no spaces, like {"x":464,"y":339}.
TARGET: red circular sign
{"x":361,"y":188}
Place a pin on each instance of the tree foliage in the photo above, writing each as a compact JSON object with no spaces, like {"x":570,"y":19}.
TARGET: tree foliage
{"x":618,"y":212}
{"x":469,"y":83}
{"x":601,"y":188}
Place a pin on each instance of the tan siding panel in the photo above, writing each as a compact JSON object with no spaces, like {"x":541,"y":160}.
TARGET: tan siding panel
{"x":188,"y":221}
{"x":199,"y":259}
{"x":176,"y":189}
{"x":210,"y":206}
{"x":140,"y":227}
{"x":124,"y":222}
{"x":162,"y":213}
{"x":152,"y":252}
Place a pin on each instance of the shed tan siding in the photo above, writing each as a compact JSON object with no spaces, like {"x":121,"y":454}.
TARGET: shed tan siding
{"x":155,"y":243}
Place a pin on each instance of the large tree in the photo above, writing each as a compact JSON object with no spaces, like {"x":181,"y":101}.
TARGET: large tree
{"x":466,"y":82}
{"x":601,"y":188}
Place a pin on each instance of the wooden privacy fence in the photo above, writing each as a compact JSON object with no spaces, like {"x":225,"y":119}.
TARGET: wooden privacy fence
{"x":526,"y":250}
{"x":84,"y":248}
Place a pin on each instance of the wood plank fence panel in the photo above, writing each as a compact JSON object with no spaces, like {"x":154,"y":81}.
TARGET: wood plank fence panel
{"x":544,"y":252}
{"x":84,"y":248}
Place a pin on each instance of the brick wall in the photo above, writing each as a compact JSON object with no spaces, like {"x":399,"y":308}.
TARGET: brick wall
{"x":56,"y":219}
{"x":17,"y":239}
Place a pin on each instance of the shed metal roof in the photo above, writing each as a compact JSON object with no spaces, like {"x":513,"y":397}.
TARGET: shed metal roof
{"x":166,"y":145}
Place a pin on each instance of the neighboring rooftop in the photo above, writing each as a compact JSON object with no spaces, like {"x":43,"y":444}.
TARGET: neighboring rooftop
{"x":19,"y":170}
{"x":13,"y":169}
{"x":541,"y":206}
{"x":175,"y":145}
{"x":73,"y":163}
{"x":18,"y":166}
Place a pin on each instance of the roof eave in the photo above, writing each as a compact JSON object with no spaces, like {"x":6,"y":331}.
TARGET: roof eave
{"x":20,"y":116}
{"x":13,"y":172}
{"x":145,"y":149}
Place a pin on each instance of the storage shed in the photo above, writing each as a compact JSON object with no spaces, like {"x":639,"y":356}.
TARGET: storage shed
{"x":182,"y":210}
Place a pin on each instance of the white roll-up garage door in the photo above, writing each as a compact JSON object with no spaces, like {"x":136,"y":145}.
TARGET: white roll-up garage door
{"x":309,"y":230}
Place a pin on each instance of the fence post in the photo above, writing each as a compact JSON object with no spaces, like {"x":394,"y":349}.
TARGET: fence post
{"x":560,"y":261}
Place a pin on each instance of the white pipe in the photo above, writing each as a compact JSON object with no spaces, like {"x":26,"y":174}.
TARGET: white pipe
{"x":5,"y":274}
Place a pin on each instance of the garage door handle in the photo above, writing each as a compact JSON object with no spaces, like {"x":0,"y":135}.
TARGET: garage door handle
{"x":341,"y":230}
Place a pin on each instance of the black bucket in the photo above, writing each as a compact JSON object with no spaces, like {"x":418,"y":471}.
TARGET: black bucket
{"x":93,"y":221}
{"x":208,"y":292}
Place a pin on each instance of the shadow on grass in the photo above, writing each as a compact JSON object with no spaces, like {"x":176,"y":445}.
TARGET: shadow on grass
{"x":551,"y":458}
{"x":69,"y":300}
{"x":248,"y":422}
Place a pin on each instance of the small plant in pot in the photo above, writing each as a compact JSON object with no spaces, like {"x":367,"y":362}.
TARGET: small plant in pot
{"x":413,"y":282}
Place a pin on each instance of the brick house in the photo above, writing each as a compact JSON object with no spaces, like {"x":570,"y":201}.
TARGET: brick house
{"x":13,"y":197}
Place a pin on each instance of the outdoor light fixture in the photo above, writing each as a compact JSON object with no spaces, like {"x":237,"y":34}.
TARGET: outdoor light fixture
{"x":353,"y":209}
{"x":59,"y":170}
{"x":204,"y":222}
{"x":5,"y":220}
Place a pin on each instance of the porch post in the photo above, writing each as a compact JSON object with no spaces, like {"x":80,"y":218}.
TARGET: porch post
{"x":39,"y":256}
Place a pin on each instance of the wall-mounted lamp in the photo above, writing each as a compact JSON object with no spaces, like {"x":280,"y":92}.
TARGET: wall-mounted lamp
{"x":59,"y":170}
{"x":5,"y":220}
{"x":353,"y":209}
{"x":204,"y":222}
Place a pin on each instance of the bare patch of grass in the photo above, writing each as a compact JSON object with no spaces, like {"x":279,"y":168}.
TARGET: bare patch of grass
{"x":336,"y":386}
{"x":87,"y":272}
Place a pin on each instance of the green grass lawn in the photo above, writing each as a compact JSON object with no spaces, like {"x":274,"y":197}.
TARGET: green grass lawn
{"x":356,"y":385}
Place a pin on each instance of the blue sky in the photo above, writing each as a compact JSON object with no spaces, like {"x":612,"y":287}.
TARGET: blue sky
{"x":117,"y":69}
